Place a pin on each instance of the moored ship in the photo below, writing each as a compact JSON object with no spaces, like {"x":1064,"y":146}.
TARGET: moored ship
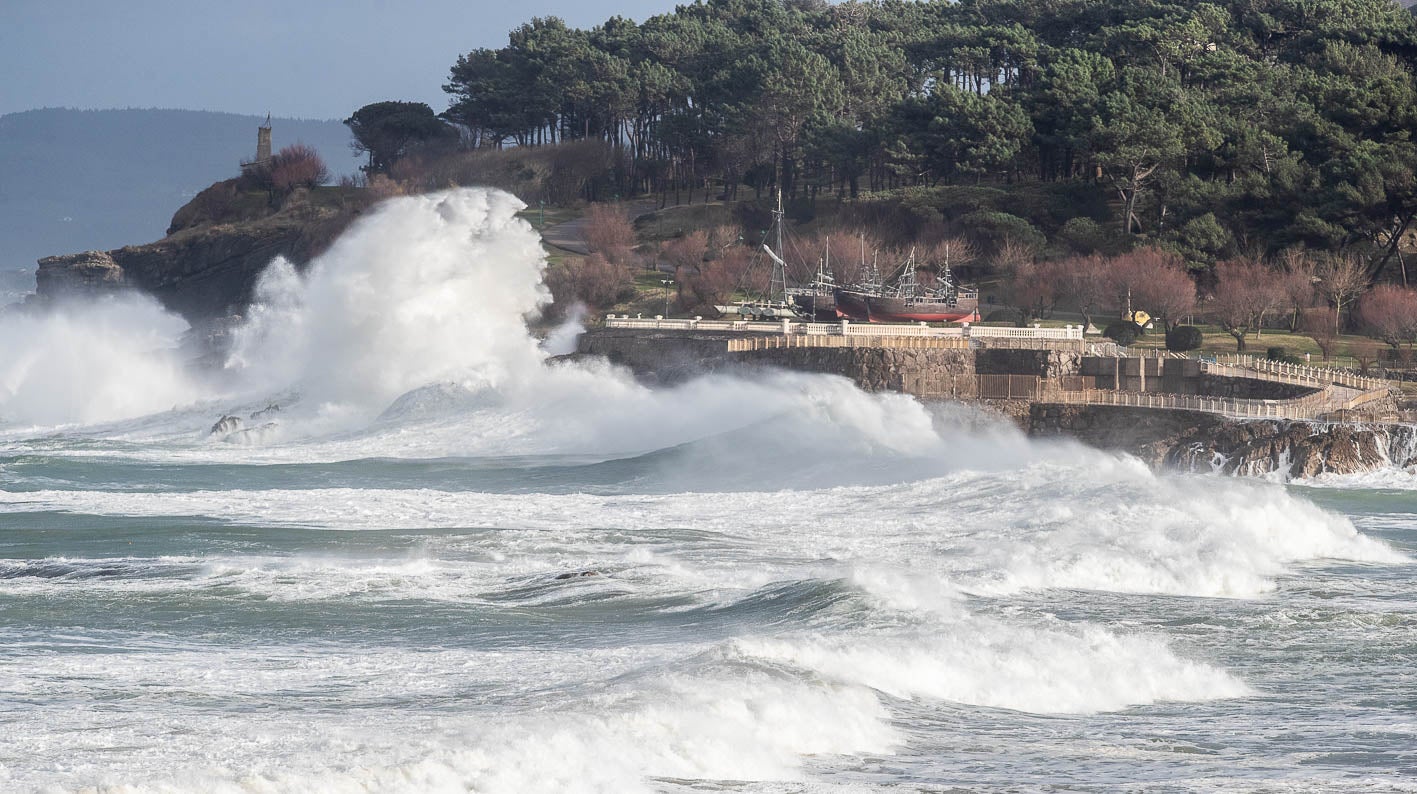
{"x":907,"y":300}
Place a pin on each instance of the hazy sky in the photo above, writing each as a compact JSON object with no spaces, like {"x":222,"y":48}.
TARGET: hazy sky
{"x":298,"y":58}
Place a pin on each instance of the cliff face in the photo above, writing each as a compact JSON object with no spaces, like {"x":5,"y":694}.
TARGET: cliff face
{"x":217,"y":247}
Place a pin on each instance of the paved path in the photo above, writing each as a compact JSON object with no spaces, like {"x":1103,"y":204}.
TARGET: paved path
{"x":568,"y":236}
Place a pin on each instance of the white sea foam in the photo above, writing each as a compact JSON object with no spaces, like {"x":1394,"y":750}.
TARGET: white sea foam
{"x":1044,"y":526}
{"x":605,"y":721}
{"x":1389,"y":479}
{"x":980,"y":662}
{"x":583,"y":719}
{"x":89,"y":361}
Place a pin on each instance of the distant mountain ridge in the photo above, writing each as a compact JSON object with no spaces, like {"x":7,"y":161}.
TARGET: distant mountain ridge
{"x":74,"y":180}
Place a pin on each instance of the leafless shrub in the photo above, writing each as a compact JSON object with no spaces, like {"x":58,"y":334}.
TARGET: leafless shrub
{"x":594,"y":281}
{"x":609,"y":232}
{"x":296,"y":166}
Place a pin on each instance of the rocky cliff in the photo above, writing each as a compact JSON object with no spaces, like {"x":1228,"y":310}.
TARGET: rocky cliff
{"x":217,"y":246}
{"x":1193,"y":441}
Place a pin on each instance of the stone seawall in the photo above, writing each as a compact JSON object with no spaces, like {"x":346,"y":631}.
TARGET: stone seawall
{"x":670,"y":357}
{"x":930,"y":374}
{"x":659,"y":356}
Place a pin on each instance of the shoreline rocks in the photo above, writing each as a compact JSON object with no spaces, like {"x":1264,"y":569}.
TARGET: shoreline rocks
{"x":1193,"y":441}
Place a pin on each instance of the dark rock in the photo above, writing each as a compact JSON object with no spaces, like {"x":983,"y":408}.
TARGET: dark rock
{"x":576,"y":575}
{"x":225,"y":426}
{"x":1193,"y":441}
{"x":267,"y":412}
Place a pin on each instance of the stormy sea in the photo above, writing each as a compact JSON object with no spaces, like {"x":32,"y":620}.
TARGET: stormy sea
{"x":394,"y":544}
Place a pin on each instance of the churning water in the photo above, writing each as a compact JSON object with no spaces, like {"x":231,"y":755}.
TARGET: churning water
{"x":420,"y":557}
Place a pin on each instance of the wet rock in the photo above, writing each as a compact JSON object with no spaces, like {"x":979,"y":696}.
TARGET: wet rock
{"x":225,"y":426}
{"x":1192,"y":441}
{"x":576,"y":575}
{"x":267,"y":412}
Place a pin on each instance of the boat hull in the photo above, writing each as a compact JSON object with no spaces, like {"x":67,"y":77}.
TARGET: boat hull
{"x":883,"y":309}
{"x":821,"y":308}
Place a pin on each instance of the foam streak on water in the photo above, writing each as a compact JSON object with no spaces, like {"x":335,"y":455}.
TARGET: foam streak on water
{"x":429,"y":560}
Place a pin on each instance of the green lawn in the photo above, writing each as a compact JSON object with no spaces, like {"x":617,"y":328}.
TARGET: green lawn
{"x":550,"y":217}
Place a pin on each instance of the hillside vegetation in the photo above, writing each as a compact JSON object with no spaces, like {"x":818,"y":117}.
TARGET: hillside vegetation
{"x":1214,"y":129}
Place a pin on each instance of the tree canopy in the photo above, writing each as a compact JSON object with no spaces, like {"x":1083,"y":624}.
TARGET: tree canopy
{"x":387,"y":131}
{"x":1218,"y":129}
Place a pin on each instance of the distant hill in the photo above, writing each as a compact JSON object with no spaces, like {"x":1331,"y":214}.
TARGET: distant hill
{"x":72,"y":180}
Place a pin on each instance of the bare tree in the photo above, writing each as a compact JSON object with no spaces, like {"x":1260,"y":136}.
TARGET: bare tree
{"x":1299,"y":278}
{"x":1318,"y":323}
{"x":715,"y":280}
{"x":595,"y":281}
{"x":1389,"y":312}
{"x":1157,"y":282}
{"x":609,"y":232}
{"x":1029,"y":287}
{"x":1365,"y":354}
{"x":686,"y":256}
{"x":950,"y":252}
{"x":685,"y":253}
{"x":1244,"y":293}
{"x":1342,"y":278}
{"x":1084,"y":282}
{"x":840,"y":251}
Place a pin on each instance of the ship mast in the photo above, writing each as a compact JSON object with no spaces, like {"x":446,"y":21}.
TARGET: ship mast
{"x":777,"y":287}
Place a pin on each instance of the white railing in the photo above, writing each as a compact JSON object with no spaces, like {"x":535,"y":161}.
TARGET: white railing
{"x":1309,"y":407}
{"x":843,"y":328}
{"x":1298,"y":373}
{"x":1322,"y":375}
{"x":1036,"y":332}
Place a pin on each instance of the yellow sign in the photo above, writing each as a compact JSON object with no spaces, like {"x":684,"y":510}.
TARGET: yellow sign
{"x":1140,"y":318}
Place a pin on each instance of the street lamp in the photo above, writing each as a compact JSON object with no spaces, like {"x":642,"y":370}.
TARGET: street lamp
{"x":666,"y":282}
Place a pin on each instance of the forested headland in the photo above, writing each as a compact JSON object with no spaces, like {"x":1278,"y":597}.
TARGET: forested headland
{"x":1212,"y":136}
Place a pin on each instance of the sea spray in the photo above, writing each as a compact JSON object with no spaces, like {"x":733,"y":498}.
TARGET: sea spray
{"x":91,"y":360}
{"x":561,"y":340}
{"x":428,"y":288}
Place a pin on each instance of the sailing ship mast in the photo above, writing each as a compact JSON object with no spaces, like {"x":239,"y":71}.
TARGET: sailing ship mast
{"x":777,"y":285}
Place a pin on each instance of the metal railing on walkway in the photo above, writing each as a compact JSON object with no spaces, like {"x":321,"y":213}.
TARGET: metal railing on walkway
{"x":1308,"y":407}
{"x":844,"y":328}
{"x":749,"y":342}
{"x":1296,"y":373}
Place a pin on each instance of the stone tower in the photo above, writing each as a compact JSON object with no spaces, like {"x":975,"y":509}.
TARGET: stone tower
{"x":263,"y":141}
